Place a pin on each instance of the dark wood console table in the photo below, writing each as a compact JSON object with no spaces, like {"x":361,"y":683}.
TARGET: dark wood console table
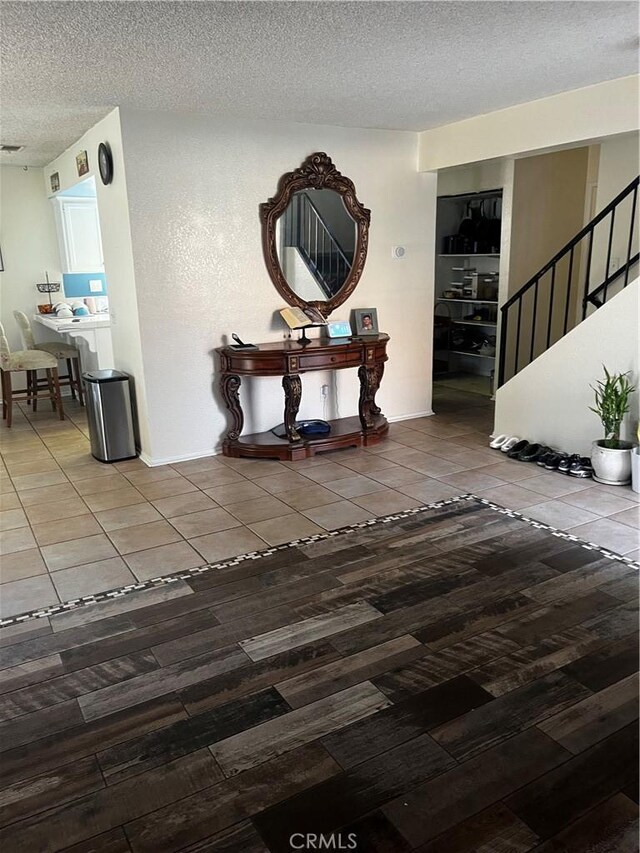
{"x":289,"y":359}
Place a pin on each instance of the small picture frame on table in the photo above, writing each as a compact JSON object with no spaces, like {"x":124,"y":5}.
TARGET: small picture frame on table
{"x":366,"y":321}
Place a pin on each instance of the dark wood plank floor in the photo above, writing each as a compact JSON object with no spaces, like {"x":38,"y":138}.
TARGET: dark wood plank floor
{"x":456,"y":680}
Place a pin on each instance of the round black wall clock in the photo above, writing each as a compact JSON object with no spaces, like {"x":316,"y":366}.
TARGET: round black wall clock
{"x":105,"y":163}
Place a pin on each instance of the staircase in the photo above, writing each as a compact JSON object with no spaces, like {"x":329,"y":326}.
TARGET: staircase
{"x":579,"y":311}
{"x":594,"y":266}
{"x":306,"y":230}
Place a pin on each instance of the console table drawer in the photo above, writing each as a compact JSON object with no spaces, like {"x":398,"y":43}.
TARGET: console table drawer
{"x":338,"y":359}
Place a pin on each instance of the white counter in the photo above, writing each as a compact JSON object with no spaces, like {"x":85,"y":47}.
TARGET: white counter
{"x":91,"y":335}
{"x":92,"y":321}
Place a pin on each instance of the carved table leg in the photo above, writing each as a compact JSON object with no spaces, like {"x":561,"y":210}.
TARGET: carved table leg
{"x":230,"y":387}
{"x":375,"y":409}
{"x":369,"y":381}
{"x":292,"y":396}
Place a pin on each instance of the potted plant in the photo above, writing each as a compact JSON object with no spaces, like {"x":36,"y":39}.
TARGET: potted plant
{"x":611,"y":457}
{"x":635,"y":463}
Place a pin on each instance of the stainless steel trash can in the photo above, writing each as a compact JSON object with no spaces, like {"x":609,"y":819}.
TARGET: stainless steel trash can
{"x":109,"y":414}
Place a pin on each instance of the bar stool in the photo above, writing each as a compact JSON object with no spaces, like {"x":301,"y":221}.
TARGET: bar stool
{"x":30,"y":361}
{"x":59,"y":350}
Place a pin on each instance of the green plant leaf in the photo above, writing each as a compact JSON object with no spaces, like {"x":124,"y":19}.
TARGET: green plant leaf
{"x":612,"y":403}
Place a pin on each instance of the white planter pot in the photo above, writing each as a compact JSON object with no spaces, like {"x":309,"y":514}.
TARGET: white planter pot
{"x":635,"y":469}
{"x":610,"y":466}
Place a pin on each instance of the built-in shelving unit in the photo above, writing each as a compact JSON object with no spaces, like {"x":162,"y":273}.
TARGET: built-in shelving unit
{"x":466,"y":304}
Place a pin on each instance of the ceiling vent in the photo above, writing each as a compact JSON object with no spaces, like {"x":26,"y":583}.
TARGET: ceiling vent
{"x":11,"y":149}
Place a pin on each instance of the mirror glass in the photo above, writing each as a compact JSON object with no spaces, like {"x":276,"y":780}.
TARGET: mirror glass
{"x":316,"y":240}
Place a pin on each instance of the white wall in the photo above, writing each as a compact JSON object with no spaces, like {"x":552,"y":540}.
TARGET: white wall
{"x":117,"y":249}
{"x":472,"y":179}
{"x":548,"y":401}
{"x":194,"y":184}
{"x":570,"y":118}
{"x":29,"y":245}
{"x":548,"y":209}
{"x":619,"y":164}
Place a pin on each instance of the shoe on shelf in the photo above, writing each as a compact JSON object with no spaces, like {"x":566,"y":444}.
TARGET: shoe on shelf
{"x":531,"y":452}
{"x":582,"y":468}
{"x":498,"y":441}
{"x":566,"y":463}
{"x":517,"y":448}
{"x":509,"y":443}
{"x":553,"y":460}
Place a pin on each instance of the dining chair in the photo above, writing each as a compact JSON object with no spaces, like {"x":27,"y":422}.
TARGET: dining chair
{"x":29,"y":361}
{"x":59,"y":350}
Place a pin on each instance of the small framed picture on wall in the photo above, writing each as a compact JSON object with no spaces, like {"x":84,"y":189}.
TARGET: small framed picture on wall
{"x":366,"y":320}
{"x":82,"y":163}
{"x":55,"y":182}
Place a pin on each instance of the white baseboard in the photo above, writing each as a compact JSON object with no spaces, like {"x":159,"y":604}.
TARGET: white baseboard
{"x":399,"y":418}
{"x":172,"y":460}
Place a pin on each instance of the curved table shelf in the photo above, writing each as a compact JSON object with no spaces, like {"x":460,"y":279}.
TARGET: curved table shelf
{"x":289,"y":359}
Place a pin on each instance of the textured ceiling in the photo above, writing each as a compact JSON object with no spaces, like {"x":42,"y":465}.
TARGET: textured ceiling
{"x":395,"y":65}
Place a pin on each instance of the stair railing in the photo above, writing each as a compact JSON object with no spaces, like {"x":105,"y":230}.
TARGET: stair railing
{"x":525,"y":347}
{"x":317,"y":246}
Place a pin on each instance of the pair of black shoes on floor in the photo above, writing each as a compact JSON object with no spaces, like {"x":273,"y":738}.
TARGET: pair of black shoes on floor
{"x":574,"y":465}
{"x":525,"y":451}
{"x":551,"y":461}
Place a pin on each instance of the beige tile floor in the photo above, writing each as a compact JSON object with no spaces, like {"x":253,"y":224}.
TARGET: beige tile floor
{"x":70,"y":525}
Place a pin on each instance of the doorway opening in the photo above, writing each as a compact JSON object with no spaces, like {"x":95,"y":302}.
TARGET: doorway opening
{"x":468,"y":235}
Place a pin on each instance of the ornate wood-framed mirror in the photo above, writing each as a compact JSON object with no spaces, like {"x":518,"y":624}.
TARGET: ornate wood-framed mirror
{"x":315,"y":235}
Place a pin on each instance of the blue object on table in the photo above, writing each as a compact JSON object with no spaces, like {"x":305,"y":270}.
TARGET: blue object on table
{"x":339,"y":329}
{"x":307,"y":429}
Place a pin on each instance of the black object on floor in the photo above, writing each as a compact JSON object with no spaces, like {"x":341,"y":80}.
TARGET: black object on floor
{"x":567,"y":462}
{"x":517,"y":448}
{"x":544,"y":451}
{"x":314,"y":427}
{"x":553,"y":460}
{"x":582,"y":468}
{"x":545,"y":457}
{"x":530,"y":453}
